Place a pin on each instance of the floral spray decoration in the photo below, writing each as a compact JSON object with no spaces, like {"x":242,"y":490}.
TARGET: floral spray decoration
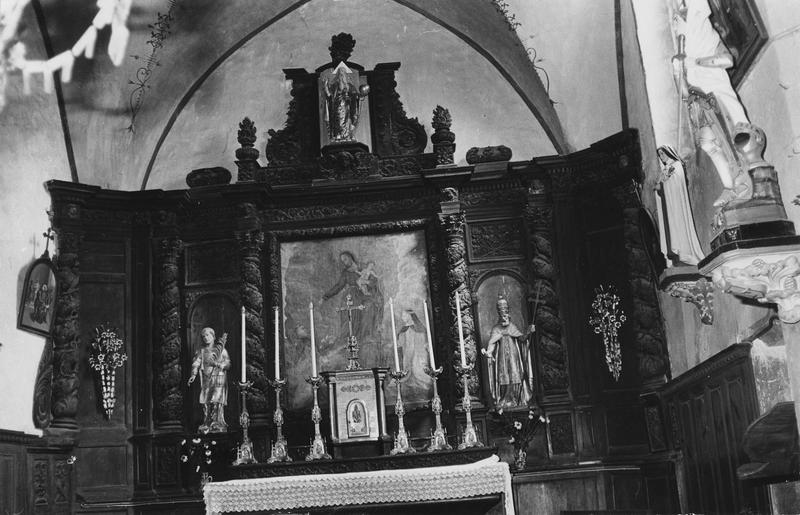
{"x":106,"y":355}
{"x":607,"y":317}
{"x":521,"y":428}
{"x":202,"y":454}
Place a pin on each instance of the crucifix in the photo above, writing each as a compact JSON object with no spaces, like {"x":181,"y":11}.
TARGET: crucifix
{"x":352,"y":341}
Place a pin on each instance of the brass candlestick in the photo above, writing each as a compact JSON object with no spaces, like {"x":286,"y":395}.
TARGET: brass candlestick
{"x":401,"y":445}
{"x":439,"y":437}
{"x":317,"y":451}
{"x":279,"y":448}
{"x":470,"y":436}
{"x":245,"y":454}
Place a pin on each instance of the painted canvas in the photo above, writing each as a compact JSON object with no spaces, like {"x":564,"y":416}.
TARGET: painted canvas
{"x":370,"y":269}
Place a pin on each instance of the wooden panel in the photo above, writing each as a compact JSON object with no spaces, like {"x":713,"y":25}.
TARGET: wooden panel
{"x":102,"y":303}
{"x":714,"y":404}
{"x":626,"y":429}
{"x":212,"y":262}
{"x":555,"y":495}
{"x":102,"y":467}
{"x":103,"y":257}
{"x":10,"y":482}
{"x":492,"y":240}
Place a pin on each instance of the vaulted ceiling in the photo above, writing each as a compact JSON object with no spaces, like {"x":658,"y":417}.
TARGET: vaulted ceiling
{"x":221,"y":61}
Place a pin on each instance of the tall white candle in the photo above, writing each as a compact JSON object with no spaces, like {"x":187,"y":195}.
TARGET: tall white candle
{"x":313,"y":345}
{"x":394,"y":337}
{"x":428,"y":331}
{"x":460,"y":331}
{"x":277,"y":348}
{"x":244,"y":349}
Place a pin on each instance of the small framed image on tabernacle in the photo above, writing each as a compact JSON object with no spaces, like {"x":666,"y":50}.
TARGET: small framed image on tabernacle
{"x":37,"y":307}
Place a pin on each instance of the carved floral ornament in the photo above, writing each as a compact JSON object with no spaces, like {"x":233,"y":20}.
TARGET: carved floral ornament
{"x":767,"y":282}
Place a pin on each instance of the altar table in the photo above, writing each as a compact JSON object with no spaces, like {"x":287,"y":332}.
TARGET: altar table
{"x":485,"y":477}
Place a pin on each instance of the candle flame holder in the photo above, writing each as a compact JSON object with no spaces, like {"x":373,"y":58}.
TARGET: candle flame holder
{"x":401,"y":445}
{"x":244,"y":454}
{"x":317,"y":451}
{"x":279,"y":448}
{"x":470,"y":435}
{"x":439,"y":436}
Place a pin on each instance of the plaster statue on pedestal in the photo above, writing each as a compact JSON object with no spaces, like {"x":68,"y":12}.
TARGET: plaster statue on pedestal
{"x":678,"y":235}
{"x":508,"y":353}
{"x":211,"y":363}
{"x":343,"y":91}
{"x":716,"y":115}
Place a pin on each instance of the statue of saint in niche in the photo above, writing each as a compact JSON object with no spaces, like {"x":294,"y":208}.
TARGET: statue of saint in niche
{"x":678,"y":236}
{"x":212,"y":363}
{"x":342,"y":91}
{"x":508,"y":354}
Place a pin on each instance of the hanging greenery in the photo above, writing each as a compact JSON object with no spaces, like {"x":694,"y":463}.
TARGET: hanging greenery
{"x":607,"y":317}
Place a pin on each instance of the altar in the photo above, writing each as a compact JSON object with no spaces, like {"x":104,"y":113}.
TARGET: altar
{"x":361,"y":323}
{"x":485,"y":482}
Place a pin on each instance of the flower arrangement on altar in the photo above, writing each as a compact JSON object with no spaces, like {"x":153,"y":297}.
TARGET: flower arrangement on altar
{"x":201,"y":454}
{"x":521,"y":428}
{"x":106,"y":355}
{"x":607,"y":317}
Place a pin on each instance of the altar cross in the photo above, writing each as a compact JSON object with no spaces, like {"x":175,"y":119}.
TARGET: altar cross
{"x":352,"y":341}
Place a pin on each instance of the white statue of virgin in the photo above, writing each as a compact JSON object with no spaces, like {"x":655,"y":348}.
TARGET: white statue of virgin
{"x":678,"y":236}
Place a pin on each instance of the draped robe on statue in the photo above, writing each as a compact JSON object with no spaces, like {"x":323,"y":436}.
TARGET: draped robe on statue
{"x":508,"y":371}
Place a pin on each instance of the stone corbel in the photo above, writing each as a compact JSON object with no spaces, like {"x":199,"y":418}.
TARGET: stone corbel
{"x":769,"y":278}
{"x":699,"y":292}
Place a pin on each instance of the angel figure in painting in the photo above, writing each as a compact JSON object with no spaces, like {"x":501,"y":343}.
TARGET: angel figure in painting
{"x":212,"y":363}
{"x":678,"y":235}
{"x":508,"y":355}
{"x":699,"y":69}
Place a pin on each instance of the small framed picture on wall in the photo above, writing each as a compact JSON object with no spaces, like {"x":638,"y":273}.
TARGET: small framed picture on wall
{"x":37,"y":306}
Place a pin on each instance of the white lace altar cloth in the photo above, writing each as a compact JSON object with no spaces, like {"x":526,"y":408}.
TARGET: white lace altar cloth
{"x":485,"y":477}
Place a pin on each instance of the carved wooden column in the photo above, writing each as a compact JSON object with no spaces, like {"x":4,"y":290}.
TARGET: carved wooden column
{"x":168,"y":384}
{"x":648,"y":331}
{"x":542,"y":269}
{"x":452,"y":223}
{"x":251,"y":246}
{"x":66,"y":330}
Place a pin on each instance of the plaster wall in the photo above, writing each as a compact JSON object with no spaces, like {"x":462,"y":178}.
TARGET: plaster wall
{"x":436,"y":68}
{"x":771,"y":94}
{"x":578,"y":53}
{"x":690,"y":342}
{"x":31,"y":152}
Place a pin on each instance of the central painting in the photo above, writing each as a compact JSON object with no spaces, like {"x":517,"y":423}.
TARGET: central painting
{"x":370,"y":269}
